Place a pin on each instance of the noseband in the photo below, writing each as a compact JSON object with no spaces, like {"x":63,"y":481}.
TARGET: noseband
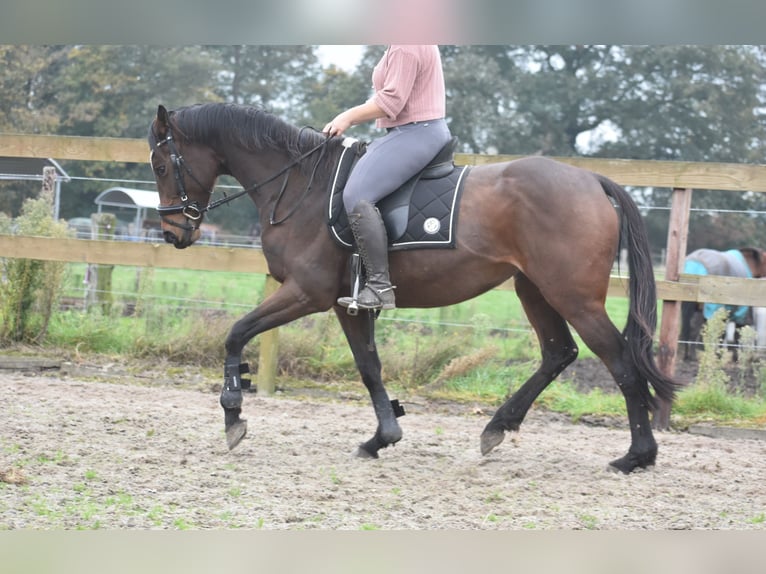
{"x":192,"y":210}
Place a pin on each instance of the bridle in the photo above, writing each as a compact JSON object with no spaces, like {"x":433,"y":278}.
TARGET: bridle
{"x":192,"y":210}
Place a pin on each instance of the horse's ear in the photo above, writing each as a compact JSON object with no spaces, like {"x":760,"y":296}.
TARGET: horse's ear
{"x":163,"y":118}
{"x":161,"y":126}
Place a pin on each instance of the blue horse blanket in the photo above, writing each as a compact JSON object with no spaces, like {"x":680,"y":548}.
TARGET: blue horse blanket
{"x":729,"y":263}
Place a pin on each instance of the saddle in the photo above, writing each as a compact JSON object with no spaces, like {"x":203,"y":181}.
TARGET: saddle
{"x":420,"y":213}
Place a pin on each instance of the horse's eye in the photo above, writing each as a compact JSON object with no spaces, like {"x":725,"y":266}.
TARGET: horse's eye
{"x":160,"y":170}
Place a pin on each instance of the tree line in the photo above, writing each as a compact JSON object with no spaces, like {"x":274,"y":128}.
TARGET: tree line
{"x":678,"y":102}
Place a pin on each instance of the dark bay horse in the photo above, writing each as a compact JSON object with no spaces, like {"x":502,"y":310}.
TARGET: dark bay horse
{"x":552,"y":227}
{"x":746,"y":262}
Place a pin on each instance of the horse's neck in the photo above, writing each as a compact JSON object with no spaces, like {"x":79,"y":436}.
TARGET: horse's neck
{"x":258,"y":170}
{"x":250,"y":170}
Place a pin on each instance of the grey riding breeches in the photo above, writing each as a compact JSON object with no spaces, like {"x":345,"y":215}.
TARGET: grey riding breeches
{"x":393,"y":159}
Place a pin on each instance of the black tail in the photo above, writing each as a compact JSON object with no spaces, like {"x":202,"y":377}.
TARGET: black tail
{"x":642,"y":318}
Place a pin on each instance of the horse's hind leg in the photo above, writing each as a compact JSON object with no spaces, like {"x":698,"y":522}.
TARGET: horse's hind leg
{"x":603,"y":338}
{"x":558,"y":350}
{"x":359,"y":331}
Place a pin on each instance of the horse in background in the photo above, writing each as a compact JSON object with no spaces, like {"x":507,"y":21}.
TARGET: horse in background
{"x":745,"y":262}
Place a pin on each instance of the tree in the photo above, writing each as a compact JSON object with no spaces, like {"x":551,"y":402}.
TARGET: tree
{"x":114,"y":91}
{"x":692,"y":103}
{"x":526,"y":99}
{"x":479,"y":95}
{"x":271,"y":77}
{"x":27,"y":105}
{"x":334,"y":91}
{"x":27,"y":93}
{"x":695,"y":103}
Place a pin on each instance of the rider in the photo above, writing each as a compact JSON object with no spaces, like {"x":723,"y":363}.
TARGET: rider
{"x":409,"y":102}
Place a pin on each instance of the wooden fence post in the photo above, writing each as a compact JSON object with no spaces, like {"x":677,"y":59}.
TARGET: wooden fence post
{"x":269,"y":349}
{"x":678,"y":232}
{"x":102,"y":227}
{"x":48,"y":187}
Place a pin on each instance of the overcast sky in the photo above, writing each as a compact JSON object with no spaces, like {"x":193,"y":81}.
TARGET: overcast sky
{"x":344,"y":57}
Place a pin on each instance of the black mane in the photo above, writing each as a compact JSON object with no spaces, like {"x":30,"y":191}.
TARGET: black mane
{"x":249,"y":127}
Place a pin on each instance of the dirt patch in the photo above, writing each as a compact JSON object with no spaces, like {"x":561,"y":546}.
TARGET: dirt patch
{"x":145,"y":452}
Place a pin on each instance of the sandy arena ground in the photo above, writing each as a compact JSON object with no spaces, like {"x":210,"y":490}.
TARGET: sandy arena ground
{"x":81,"y":453}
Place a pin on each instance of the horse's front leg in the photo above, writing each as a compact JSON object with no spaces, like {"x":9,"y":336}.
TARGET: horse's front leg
{"x":359,"y":331}
{"x":286,"y":304}
{"x":231,"y":399}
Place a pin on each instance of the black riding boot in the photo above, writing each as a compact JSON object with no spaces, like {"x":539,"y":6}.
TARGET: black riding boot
{"x":372,"y":242}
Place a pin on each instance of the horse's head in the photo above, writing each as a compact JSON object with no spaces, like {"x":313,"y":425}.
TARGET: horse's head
{"x":185,"y":173}
{"x":756,"y":259}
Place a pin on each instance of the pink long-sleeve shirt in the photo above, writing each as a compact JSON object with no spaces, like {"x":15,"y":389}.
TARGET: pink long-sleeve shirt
{"x":409,"y":85}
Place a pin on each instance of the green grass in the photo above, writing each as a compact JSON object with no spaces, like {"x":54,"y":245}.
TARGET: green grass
{"x":711,"y":397}
{"x":706,"y":401}
{"x":166,"y":293}
{"x":588,"y":521}
{"x":564,"y":398}
{"x":174,"y":287}
{"x":491,"y":382}
{"x":81,"y":508}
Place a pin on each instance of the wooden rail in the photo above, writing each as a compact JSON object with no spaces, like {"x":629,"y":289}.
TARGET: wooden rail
{"x":680,"y":174}
{"x":162,"y":255}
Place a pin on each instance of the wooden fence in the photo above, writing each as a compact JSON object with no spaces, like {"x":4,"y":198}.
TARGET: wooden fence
{"x":681,"y":177}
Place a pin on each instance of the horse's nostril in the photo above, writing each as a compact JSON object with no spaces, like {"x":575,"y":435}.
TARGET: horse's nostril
{"x":170,"y":237}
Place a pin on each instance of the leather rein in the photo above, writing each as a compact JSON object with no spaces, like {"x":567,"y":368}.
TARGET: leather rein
{"x":192,"y":210}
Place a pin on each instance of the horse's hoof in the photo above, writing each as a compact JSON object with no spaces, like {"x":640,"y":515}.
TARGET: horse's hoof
{"x":235,"y":433}
{"x":630,"y":462}
{"x":362,"y":452}
{"x":490,"y":439}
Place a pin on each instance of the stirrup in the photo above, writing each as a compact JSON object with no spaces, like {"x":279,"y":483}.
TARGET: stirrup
{"x":353,"y":304}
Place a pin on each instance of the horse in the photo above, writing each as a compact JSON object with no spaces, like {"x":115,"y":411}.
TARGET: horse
{"x":747,"y":262}
{"x":554,"y":228}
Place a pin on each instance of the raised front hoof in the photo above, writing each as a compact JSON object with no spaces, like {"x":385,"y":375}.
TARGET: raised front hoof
{"x":490,"y":439}
{"x":235,"y":433}
{"x":631,"y":462}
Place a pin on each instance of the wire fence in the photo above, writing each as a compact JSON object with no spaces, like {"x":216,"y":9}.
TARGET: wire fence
{"x":173,"y":303}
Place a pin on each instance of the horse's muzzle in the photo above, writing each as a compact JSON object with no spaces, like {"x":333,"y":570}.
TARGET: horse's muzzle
{"x":180,"y":234}
{"x":181,"y":242}
{"x":170,"y":237}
